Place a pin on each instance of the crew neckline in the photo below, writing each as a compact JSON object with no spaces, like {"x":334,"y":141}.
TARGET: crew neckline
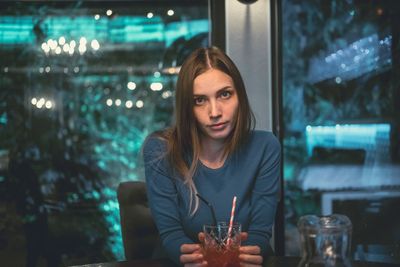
{"x":228,"y":158}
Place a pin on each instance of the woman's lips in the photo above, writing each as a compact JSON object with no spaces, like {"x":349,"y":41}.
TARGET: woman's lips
{"x":218,"y":126}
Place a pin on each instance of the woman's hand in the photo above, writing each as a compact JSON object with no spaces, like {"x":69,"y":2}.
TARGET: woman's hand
{"x":192,"y":255}
{"x":250,"y":255}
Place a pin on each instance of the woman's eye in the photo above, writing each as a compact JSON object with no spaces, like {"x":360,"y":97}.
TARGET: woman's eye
{"x":199,"y":101}
{"x":226,"y":94}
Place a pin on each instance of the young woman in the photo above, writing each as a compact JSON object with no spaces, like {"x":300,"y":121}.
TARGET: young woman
{"x":212,"y":150}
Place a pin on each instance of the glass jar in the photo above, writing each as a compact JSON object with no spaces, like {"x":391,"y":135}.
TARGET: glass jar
{"x":325,"y":241}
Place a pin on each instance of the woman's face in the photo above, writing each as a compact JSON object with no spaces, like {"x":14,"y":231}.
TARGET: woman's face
{"x":215,"y":104}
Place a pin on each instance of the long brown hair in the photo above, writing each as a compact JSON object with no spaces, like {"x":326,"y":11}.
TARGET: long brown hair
{"x":183,"y":138}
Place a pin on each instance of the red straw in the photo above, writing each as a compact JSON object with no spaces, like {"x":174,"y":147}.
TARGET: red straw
{"x":231,"y":220}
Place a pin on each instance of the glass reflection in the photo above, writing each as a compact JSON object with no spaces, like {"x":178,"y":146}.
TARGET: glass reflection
{"x":81,"y":85}
{"x":341,"y":120}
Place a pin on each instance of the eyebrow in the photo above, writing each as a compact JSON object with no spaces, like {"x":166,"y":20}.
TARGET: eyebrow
{"x":219,"y":91}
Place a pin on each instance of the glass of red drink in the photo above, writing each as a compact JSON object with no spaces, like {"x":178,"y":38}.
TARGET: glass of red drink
{"x":221,"y":245}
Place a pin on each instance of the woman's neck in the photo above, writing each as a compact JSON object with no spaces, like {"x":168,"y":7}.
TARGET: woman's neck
{"x":212,"y":153}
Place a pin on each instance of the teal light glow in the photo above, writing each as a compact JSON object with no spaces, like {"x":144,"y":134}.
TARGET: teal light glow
{"x":16,"y":30}
{"x":106,"y":207}
{"x":373,"y":138}
{"x":109,"y":138}
{"x":365,"y":55}
{"x":110,"y":209}
{"x":3,"y":118}
{"x":185,"y":29}
{"x":122,"y":29}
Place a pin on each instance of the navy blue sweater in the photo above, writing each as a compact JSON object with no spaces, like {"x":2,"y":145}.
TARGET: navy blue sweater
{"x":251,"y":173}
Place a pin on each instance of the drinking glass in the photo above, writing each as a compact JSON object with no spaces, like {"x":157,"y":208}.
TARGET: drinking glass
{"x":325,"y":241}
{"x":221,"y":245}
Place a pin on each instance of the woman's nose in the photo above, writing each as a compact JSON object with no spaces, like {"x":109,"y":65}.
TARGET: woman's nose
{"x":214,"y":109}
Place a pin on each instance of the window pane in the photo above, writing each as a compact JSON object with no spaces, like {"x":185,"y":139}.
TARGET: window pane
{"x":81,"y":85}
{"x":341,"y":119}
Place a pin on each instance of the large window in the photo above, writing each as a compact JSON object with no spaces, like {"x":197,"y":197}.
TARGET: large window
{"x":341,"y":119}
{"x":81,"y":85}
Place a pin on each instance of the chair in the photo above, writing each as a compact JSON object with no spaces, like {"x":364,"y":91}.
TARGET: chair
{"x":139,"y":232}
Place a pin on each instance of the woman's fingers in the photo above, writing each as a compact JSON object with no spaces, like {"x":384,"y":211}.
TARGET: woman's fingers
{"x":191,"y":258}
{"x":202,"y":264}
{"x":189,"y":248}
{"x":243,"y":236}
{"x":253,"y":250}
{"x":249,"y":265}
{"x":191,"y":254}
{"x":251,"y":259}
{"x":201,"y":237}
{"x":250,"y":255}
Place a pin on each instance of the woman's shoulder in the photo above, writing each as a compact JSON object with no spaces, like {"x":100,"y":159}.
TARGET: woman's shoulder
{"x":261,"y":137}
{"x":155,"y":142}
{"x":263,"y":145}
{"x":260,"y":140}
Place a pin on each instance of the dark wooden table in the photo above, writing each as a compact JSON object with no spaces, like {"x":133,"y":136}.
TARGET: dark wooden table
{"x":271,"y":262}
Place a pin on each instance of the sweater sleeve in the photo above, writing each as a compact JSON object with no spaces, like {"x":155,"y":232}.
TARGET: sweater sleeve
{"x":265,"y":196}
{"x":163,"y":198}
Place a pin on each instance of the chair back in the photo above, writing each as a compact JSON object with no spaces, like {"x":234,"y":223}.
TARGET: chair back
{"x":139,"y":232}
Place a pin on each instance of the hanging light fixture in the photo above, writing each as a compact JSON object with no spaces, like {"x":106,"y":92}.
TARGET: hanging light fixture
{"x":247,"y":2}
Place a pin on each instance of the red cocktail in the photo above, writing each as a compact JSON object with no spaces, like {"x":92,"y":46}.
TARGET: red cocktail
{"x":221,"y":246}
{"x":217,"y":256}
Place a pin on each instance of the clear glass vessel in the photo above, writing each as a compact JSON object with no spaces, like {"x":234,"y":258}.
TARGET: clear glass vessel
{"x":325,"y":241}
